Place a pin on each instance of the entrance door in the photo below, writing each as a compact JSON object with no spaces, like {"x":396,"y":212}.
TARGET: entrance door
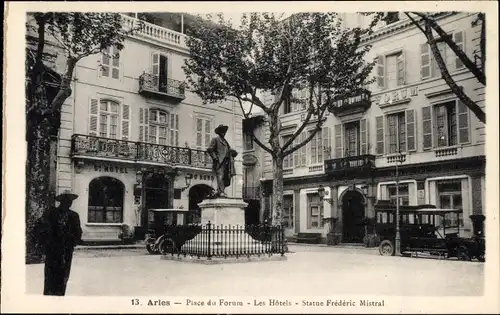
{"x":353,"y":213}
{"x":155,"y":196}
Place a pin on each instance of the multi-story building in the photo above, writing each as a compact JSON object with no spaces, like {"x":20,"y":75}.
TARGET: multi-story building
{"x":407,"y":119}
{"x":132,"y":135}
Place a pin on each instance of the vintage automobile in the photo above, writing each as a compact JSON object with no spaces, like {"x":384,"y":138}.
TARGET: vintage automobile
{"x":427,"y":229}
{"x":169,"y":231}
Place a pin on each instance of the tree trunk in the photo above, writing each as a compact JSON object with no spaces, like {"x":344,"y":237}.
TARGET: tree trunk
{"x":277,"y":209}
{"x":37,"y":173}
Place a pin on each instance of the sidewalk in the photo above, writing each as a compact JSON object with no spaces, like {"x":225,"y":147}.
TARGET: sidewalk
{"x":142,"y":245}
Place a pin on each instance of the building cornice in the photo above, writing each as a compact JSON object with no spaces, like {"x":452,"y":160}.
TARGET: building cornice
{"x":398,"y":27}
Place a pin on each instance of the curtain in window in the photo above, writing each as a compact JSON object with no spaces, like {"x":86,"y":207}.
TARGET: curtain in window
{"x":105,"y":200}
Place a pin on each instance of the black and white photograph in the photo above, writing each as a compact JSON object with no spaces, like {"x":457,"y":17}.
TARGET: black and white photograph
{"x":319,"y":157}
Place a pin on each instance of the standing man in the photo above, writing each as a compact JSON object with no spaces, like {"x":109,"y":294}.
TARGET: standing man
{"x":223,"y":160}
{"x":60,"y":233}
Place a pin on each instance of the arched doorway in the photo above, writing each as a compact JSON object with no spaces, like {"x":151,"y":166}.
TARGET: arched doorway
{"x":155,"y":195}
{"x":353,"y":213}
{"x":197,"y":194}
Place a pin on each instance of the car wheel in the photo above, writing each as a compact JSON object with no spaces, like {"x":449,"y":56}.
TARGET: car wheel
{"x":167,"y":246}
{"x":463,"y":254}
{"x":386,"y":248}
{"x":150,"y":249}
{"x":481,"y":258}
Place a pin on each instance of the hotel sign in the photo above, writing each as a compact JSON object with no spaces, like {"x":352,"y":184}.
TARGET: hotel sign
{"x":107,"y":168}
{"x":396,"y":96}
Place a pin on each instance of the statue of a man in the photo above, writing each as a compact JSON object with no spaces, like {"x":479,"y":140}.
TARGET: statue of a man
{"x":223,"y":160}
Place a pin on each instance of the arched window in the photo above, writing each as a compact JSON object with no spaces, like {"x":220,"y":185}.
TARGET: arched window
{"x":106,"y":200}
{"x":109,"y":119}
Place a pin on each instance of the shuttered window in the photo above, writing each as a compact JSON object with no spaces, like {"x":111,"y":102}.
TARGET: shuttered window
{"x":287,"y":160}
{"x":411,"y":131}
{"x":338,"y":141}
{"x":109,"y":119}
{"x":110,"y":63}
{"x":396,"y":132}
{"x":381,"y":71}
{"x":428,"y":65}
{"x":203,"y":132}
{"x":445,"y":124}
{"x":379,"y":122}
{"x":364,"y":136}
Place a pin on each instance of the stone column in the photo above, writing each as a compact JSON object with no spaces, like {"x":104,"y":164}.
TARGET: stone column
{"x":421,"y":188}
{"x":477,"y":202}
{"x":296,"y":206}
{"x":337,"y":213}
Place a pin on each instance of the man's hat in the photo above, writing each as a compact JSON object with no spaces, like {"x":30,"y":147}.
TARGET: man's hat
{"x":221,"y":128}
{"x":66,"y":195}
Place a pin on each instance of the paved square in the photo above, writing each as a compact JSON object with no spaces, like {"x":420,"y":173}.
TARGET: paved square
{"x":309,"y":271}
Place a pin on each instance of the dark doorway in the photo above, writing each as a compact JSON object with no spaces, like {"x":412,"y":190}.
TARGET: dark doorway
{"x":155,"y":196}
{"x":353,"y":213}
{"x":197,"y":194}
{"x":252,"y":212}
{"x":163,"y":75}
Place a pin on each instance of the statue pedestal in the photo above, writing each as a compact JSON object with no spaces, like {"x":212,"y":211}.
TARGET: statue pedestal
{"x":226,"y":233}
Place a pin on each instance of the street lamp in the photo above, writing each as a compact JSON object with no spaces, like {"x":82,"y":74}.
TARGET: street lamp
{"x":187,"y":178}
{"x":400,"y":159}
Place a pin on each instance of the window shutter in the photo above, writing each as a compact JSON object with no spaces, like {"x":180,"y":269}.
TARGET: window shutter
{"x":463,"y":123}
{"x":125,"y":122}
{"x":401,"y":68}
{"x":296,"y":154}
{"x":380,"y":72}
{"x":303,"y":152}
{"x":143,"y":125}
{"x":364,"y":136}
{"x":338,"y":141}
{"x":427,"y":127}
{"x":155,"y":69}
{"x":93,"y":116}
{"x":379,"y":121}
{"x":425,"y":62}
{"x":411,"y":132}
{"x":459,"y":39}
{"x":327,"y":147}
{"x":435,"y":71}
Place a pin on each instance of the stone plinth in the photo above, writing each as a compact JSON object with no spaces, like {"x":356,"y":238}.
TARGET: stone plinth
{"x":223,"y":211}
{"x":227,"y":229}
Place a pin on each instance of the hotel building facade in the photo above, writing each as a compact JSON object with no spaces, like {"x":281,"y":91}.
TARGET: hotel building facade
{"x":133,"y":137}
{"x":408,"y":118}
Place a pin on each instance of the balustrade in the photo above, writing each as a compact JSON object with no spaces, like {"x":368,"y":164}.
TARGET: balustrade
{"x":84,"y":145}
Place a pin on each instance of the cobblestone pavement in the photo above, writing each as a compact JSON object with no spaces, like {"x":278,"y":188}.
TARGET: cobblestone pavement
{"x":308,"y":271}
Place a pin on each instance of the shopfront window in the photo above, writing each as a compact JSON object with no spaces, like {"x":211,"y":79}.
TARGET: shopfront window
{"x":106,"y":200}
{"x":404,"y":194}
{"x":450,"y":197}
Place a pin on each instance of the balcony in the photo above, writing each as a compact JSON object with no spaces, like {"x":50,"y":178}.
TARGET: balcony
{"x":150,"y":85}
{"x":351,"y":104}
{"x":251,"y":192}
{"x":84,"y":146}
{"x":154,"y":32}
{"x":352,"y":165}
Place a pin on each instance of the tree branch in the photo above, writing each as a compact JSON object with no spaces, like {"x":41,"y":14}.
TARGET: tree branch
{"x":254,"y":138}
{"x":417,"y":24}
{"x":469,"y":64}
{"x":445,"y":75}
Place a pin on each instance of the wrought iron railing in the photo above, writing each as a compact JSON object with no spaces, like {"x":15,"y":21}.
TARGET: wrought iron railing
{"x":251,"y":192}
{"x":152,"y":84}
{"x":360,"y":100}
{"x":366,"y":161}
{"x":139,"y":151}
{"x":214,"y":241}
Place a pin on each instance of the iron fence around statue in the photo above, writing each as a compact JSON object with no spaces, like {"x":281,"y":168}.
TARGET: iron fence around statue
{"x":222,"y":241}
